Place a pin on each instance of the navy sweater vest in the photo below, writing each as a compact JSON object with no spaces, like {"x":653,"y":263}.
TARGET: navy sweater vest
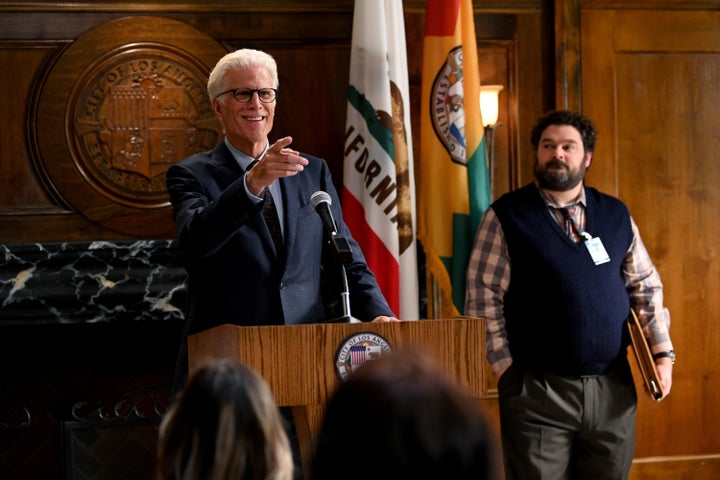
{"x":564,"y":314}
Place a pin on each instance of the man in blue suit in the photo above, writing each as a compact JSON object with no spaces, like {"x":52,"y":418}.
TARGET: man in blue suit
{"x":236,"y":273}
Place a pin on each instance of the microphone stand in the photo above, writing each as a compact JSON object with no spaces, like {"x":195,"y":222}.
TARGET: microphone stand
{"x":343,"y":255}
{"x":345,"y":300}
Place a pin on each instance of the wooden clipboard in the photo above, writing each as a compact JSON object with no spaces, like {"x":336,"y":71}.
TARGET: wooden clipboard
{"x":645,"y":361}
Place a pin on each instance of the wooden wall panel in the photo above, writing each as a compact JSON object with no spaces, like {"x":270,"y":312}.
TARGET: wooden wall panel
{"x":648,"y":80}
{"x":650,"y":83}
{"x":311,"y":42}
{"x":21,"y":192}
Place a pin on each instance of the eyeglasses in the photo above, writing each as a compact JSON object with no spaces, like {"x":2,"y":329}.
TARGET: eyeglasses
{"x":244,"y":95}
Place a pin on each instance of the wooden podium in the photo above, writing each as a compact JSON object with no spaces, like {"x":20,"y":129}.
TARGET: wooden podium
{"x":299,"y":361}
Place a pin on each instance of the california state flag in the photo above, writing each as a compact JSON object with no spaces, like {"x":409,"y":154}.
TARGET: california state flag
{"x":379,"y":191}
{"x":454,"y":188}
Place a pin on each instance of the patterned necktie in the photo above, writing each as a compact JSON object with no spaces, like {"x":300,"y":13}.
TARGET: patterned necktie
{"x":571,"y":227}
{"x":269,"y":211}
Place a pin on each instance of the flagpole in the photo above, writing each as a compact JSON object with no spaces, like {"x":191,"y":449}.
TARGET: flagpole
{"x":490,"y":153}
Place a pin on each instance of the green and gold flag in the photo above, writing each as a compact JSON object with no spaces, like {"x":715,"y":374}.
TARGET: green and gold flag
{"x":453,"y":184}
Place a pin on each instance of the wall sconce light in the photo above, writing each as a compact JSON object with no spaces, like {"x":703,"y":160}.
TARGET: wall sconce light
{"x":489,"y":103}
{"x":489,"y":110}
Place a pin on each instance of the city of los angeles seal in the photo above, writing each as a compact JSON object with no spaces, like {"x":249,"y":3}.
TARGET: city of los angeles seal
{"x":357,"y":349}
{"x":136,"y":112}
{"x":119,"y":105}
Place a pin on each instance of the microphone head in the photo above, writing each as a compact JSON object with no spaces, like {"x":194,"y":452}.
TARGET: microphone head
{"x":320,"y":197}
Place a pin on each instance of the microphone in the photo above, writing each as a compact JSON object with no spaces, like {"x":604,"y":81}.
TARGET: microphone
{"x":321,"y":202}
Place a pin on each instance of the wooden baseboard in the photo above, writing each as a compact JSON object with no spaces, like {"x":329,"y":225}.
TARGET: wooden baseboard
{"x":685,"y":467}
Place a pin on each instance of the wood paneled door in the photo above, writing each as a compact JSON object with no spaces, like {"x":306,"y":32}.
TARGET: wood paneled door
{"x":650,"y":83}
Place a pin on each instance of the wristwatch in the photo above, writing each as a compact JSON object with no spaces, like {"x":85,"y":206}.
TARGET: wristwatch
{"x":670,"y":354}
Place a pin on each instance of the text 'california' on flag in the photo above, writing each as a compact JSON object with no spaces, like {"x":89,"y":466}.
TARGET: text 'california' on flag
{"x":379,"y":187}
{"x":453,"y":187}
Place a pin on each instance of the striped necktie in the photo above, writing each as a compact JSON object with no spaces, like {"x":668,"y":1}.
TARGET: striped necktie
{"x":571,"y":226}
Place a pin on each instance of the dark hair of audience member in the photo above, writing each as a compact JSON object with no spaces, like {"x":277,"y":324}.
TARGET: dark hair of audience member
{"x":224,"y":425}
{"x":402,"y":416}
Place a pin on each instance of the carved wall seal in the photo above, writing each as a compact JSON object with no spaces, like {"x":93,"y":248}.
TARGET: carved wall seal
{"x":117,"y":107}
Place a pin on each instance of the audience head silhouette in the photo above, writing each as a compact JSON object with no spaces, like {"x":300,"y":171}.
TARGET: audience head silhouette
{"x":402,"y":416}
{"x":224,"y":425}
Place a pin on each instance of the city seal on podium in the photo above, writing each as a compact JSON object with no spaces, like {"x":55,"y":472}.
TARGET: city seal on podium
{"x":357,"y":349}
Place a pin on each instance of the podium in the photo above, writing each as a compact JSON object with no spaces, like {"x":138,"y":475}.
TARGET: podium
{"x":304,"y":364}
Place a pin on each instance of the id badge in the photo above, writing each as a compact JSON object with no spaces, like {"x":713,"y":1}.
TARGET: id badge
{"x":597,"y":250}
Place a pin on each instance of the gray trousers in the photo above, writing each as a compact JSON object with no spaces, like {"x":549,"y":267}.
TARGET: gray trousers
{"x":559,"y":428}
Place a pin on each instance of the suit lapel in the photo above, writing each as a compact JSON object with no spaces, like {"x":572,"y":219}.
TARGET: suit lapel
{"x":223,"y":158}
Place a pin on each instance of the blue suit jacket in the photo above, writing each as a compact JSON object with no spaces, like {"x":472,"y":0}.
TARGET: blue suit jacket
{"x":234,"y":273}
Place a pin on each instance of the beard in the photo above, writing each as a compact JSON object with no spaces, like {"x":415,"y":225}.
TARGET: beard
{"x":558,"y":176}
